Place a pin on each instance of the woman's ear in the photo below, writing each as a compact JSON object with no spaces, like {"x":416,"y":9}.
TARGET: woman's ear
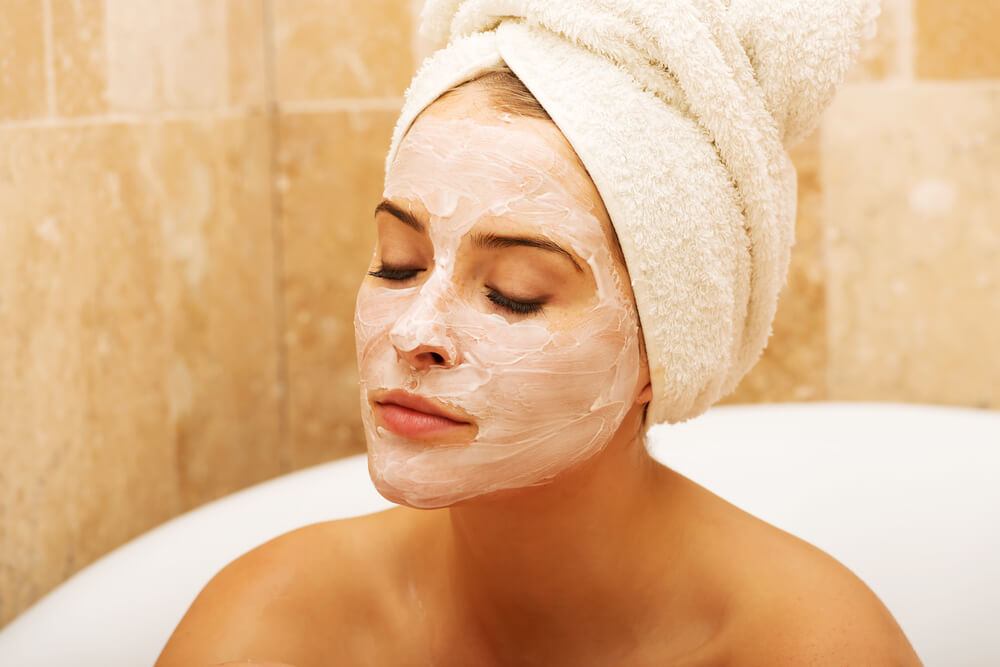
{"x":646,"y":395}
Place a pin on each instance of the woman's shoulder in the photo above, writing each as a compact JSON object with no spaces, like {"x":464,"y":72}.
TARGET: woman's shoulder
{"x":798,"y":605}
{"x":297,"y":592}
{"x":780,"y":595}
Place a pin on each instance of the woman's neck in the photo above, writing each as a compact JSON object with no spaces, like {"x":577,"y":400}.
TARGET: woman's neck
{"x":574,"y":558}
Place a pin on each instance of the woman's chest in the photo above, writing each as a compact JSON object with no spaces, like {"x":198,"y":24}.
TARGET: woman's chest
{"x":433,"y":638}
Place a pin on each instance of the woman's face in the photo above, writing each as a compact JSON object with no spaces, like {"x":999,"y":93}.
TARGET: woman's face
{"x":494,"y":295}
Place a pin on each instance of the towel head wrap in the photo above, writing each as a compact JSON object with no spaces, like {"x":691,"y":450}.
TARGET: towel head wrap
{"x":682,"y":111}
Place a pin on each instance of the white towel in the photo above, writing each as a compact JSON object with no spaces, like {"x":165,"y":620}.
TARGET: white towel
{"x":682,"y":111}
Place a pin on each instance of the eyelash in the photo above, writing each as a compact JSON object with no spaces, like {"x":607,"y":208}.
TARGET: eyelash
{"x":390,"y":273}
{"x":518,"y":307}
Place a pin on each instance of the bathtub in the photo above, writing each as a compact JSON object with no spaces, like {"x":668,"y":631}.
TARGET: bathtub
{"x":906,"y":496}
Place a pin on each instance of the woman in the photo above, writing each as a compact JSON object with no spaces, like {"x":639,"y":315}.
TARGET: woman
{"x":507,"y":370}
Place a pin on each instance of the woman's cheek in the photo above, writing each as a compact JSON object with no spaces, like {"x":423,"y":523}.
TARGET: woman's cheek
{"x":528,"y":367}
{"x":376,"y":310}
{"x":567,"y":370}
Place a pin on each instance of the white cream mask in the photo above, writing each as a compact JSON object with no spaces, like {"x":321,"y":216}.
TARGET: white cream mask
{"x":543,"y":394}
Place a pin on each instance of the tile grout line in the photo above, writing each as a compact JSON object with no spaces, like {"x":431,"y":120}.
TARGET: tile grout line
{"x":825,"y":253}
{"x":339,"y":104}
{"x":48,"y":42}
{"x":277,"y":238}
{"x":417,"y":47}
{"x":225,"y":54}
{"x":106,"y":57}
{"x":138,"y":118}
{"x":907,"y":41}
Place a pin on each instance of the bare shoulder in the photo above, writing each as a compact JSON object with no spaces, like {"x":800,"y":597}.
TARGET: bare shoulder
{"x":804,"y":607}
{"x":283,"y":601}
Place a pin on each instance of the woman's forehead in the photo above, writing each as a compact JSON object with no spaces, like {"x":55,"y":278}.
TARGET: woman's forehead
{"x":501,"y":168}
{"x":506,"y":151}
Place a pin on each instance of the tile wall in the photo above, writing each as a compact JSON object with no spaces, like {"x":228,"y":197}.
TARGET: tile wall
{"x":894,"y":288}
{"x":176,"y":262}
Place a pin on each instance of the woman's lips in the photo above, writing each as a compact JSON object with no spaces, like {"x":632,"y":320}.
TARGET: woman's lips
{"x":414,"y":417}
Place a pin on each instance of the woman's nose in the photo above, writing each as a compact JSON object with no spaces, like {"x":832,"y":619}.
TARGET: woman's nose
{"x":421,"y":337}
{"x":424,"y":357}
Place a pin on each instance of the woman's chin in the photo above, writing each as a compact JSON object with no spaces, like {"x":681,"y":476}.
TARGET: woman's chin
{"x":446,"y":477}
{"x":410,"y":494}
{"x":411,"y":498}
{"x":425,"y":497}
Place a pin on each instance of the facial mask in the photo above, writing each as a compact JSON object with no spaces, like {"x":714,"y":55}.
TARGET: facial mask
{"x":545,"y":395}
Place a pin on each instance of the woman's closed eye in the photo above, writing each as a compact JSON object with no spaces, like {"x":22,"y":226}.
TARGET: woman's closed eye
{"x":394,"y":273}
{"x":519,"y":307}
{"x":505,"y":302}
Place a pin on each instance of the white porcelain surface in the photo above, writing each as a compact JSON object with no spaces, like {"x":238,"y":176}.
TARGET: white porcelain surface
{"x":904,"y":495}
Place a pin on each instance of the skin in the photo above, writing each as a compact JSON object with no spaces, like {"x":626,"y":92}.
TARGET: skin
{"x":616,"y":560}
{"x":543,"y":389}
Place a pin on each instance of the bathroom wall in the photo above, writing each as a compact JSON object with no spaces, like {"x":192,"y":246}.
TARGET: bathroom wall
{"x":185,"y":203}
{"x":183,"y":197}
{"x":894,"y":287}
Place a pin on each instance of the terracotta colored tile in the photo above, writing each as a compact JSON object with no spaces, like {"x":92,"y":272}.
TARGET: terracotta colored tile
{"x":957,"y":39}
{"x":78,"y":57}
{"x":888,"y":55}
{"x":330,"y":178}
{"x":335,"y":48}
{"x":138,"y":360}
{"x":167,"y":55}
{"x":246,"y":54}
{"x":910,"y":177}
{"x":22,"y":60}
{"x":793,"y":366}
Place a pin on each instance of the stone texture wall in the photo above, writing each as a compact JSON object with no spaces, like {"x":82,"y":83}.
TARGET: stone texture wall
{"x":894,"y":287}
{"x":185,"y":202}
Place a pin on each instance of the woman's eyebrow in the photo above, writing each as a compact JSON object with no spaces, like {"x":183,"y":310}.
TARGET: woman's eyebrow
{"x":488,"y":240}
{"x":402,"y":215}
{"x":481,"y":240}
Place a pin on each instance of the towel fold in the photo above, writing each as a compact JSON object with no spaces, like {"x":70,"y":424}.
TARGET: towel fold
{"x":682,"y":112}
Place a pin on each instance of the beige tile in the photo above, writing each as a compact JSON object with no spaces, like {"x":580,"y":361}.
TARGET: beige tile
{"x":88,"y":461}
{"x":330,"y":177}
{"x":185,"y":54}
{"x":214,"y":188}
{"x":422,"y":46}
{"x":957,"y":39}
{"x":793,"y":366}
{"x":246,"y":53}
{"x":22,"y":60}
{"x":910,"y":179}
{"x":336,"y":48}
{"x":78,"y":57}
{"x":138,"y":350}
{"x":889,"y":55}
{"x":167,"y":55}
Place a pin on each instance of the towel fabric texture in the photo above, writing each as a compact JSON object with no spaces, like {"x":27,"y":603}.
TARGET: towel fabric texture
{"x":682,"y":112}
